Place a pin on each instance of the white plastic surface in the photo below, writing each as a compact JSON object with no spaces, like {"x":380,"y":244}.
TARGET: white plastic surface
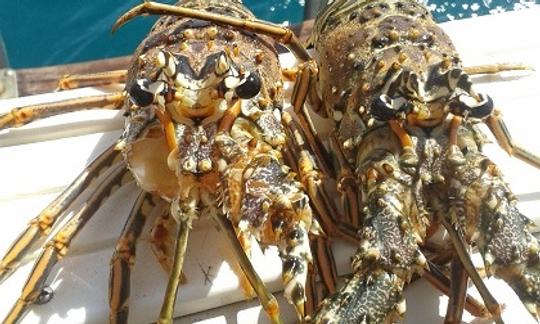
{"x":38,"y":160}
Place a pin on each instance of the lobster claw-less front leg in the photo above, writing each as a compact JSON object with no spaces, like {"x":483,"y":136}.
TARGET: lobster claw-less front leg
{"x":262,"y":199}
{"x":388,"y":254}
{"x":486,"y":212}
{"x":496,"y":124}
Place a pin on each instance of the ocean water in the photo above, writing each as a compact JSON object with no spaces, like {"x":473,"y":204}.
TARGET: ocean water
{"x":42,"y":33}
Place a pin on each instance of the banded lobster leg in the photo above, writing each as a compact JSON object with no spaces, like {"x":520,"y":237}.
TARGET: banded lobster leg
{"x":299,"y":158}
{"x":456,"y":289}
{"x":56,"y":248}
{"x":485,"y":211}
{"x":268,"y":301}
{"x":498,"y":127}
{"x":123,"y":257}
{"x":23,"y":115}
{"x":41,"y":225}
{"x":162,"y":238}
{"x":73,"y":81}
{"x":458,"y":285}
{"x":20,"y":116}
{"x":184,"y":211}
{"x":311,"y":178}
{"x":306,"y":77}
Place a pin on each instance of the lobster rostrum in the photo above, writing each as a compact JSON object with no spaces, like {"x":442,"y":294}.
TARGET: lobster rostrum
{"x":405,"y":117}
{"x":204,"y":133}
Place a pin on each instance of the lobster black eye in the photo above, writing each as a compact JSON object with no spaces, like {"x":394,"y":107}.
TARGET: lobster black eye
{"x":250,"y":88}
{"x":481,"y":109}
{"x":140,"y":94}
{"x":385,"y":108}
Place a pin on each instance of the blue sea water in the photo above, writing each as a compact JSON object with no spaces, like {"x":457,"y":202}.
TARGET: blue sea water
{"x":42,"y":33}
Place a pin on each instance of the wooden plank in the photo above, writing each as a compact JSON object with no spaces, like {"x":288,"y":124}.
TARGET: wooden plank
{"x":42,"y":80}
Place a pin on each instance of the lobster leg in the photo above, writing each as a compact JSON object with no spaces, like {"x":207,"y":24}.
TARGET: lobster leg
{"x":491,"y":304}
{"x":498,"y":127}
{"x":458,"y":284}
{"x":304,"y":84}
{"x":304,"y":87}
{"x":184,"y":211}
{"x":162,"y":239}
{"x":347,"y":186}
{"x":244,"y":239}
{"x":312,"y":295}
{"x":92,"y":79}
{"x":408,"y":156}
{"x":439,"y":280}
{"x":24,"y":115}
{"x":268,"y":301}
{"x":123,"y":259}
{"x":284,"y":35}
{"x":310,"y":179}
{"x":320,"y":244}
{"x":325,"y":263}
{"x":305,"y":81}
{"x":58,"y":246}
{"x":42,"y":224}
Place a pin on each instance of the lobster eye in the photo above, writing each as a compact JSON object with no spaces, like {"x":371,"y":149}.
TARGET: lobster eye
{"x":250,"y":88}
{"x":467,"y":106}
{"x":385,"y":108}
{"x":140,"y":94}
